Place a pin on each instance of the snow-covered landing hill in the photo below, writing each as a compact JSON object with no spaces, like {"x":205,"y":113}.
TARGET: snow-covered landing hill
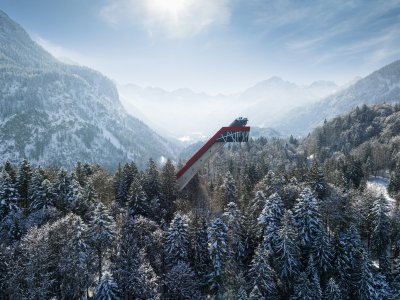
{"x":56,"y":114}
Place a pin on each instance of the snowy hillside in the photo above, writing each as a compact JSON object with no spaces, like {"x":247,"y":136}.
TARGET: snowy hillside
{"x":382,"y":86}
{"x":56,"y":114}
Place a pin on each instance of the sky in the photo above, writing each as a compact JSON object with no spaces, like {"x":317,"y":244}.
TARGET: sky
{"x":216,"y":46}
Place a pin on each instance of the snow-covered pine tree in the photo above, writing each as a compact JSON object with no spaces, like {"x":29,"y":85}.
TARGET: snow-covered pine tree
{"x":307,"y":218}
{"x":307,"y":286}
{"x":60,"y":188}
{"x":8,"y":195}
{"x":234,"y":221}
{"x":200,"y":259}
{"x":152,"y":185}
{"x":228,"y":190}
{"x":75,"y":261}
{"x":381,"y":227}
{"x":107,"y":288}
{"x":301,"y":290}
{"x":255,"y":294}
{"x":5,"y":261}
{"x":23,"y":182}
{"x":287,"y":250}
{"x":262,"y":275}
{"x":220,"y":256}
{"x":137,"y":200}
{"x":394,"y":182}
{"x":8,"y":167}
{"x":322,"y":252}
{"x":32,"y":270}
{"x":269,"y":221}
{"x":366,"y":283}
{"x":181,"y":282}
{"x":177,"y":241}
{"x":332,"y":291}
{"x":134,"y":275}
{"x":257,"y":204}
{"x":242,"y":294}
{"x":316,"y":180}
{"x":169,"y":190}
{"x":100,"y":234}
{"x":129,"y":172}
{"x":40,"y":196}
{"x":382,"y":288}
{"x":77,"y":200}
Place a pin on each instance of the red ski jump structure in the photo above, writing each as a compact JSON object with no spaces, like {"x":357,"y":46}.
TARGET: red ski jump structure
{"x":236,"y":132}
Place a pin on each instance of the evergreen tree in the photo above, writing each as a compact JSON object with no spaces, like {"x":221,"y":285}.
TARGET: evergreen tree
{"x":322,"y":252}
{"x":75,"y":261}
{"x":316,"y":180}
{"x":381,"y":226}
{"x":382,"y":288}
{"x":107,"y":288}
{"x":169,"y":190}
{"x":256,"y":294}
{"x":129,"y":172}
{"x":394,"y":182}
{"x":8,"y":195}
{"x":262,"y":275}
{"x":307,"y":285}
{"x":137,"y":200}
{"x":302,"y":289}
{"x":40,"y":195}
{"x":234,"y":221}
{"x":332,"y":291}
{"x":100,"y":234}
{"x":242,"y":294}
{"x":5,"y":261}
{"x":269,"y":220}
{"x":287,"y":251}
{"x":366,"y":284}
{"x":307,"y":218}
{"x":228,"y":190}
{"x":76,"y":198}
{"x":32,"y":271}
{"x":219,"y":254}
{"x":181,"y":282}
{"x":199,"y":242}
{"x":132,"y":271}
{"x":177,"y":241}
{"x":23,"y":182}
{"x":80,"y":174}
{"x":8,"y":167}
{"x":152,"y":185}
{"x":60,"y":189}
{"x":257,"y":204}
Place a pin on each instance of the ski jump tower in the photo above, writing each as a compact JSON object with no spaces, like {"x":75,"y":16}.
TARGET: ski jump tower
{"x":236,"y":132}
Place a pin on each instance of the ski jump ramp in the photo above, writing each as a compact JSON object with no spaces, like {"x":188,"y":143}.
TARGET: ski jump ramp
{"x":236,"y":132}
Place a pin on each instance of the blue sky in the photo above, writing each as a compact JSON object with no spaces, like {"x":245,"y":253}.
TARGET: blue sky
{"x":216,"y":45}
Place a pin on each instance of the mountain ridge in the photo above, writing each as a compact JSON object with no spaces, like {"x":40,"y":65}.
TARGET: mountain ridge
{"x":56,"y":114}
{"x":382,"y":85}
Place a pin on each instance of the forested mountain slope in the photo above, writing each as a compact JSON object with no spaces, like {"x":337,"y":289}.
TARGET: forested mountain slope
{"x":56,"y":114}
{"x":370,"y":133}
{"x":382,"y":86}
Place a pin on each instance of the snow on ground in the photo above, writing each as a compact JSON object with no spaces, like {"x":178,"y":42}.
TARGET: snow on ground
{"x":379,"y":185}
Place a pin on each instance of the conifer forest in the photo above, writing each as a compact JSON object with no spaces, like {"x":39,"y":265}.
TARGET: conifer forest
{"x":263,"y":220}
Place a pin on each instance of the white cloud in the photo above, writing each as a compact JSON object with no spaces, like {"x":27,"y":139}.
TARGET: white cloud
{"x":173,"y":18}
{"x":62,"y":54}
